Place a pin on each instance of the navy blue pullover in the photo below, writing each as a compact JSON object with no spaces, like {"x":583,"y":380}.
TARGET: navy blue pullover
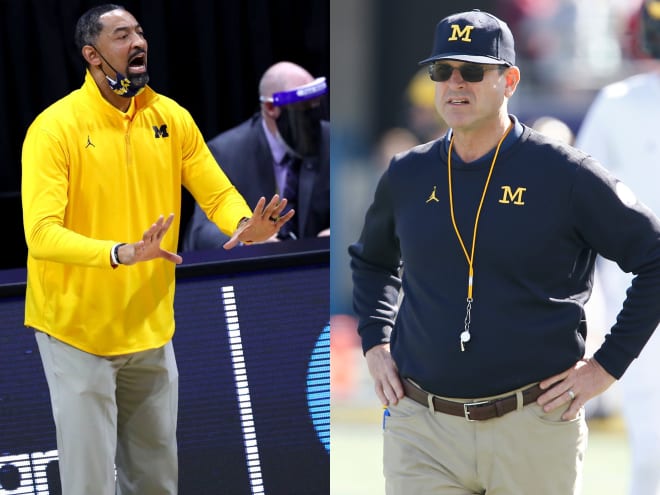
{"x":548,"y":210}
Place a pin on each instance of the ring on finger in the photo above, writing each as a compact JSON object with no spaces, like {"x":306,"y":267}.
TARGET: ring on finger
{"x":273,"y":219}
{"x":571,"y":394}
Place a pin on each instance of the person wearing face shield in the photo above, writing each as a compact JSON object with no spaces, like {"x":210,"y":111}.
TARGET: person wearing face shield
{"x":284,"y":148}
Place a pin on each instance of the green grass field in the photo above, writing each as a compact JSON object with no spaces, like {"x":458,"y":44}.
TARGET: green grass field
{"x":356,"y":451}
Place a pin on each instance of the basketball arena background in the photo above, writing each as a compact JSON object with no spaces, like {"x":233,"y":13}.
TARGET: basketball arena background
{"x":208,"y":55}
{"x":252,"y":344}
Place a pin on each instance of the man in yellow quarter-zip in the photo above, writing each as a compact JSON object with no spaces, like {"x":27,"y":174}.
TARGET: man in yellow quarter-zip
{"x":102,"y":174}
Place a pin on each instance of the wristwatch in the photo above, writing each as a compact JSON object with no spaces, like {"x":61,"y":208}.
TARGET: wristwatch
{"x":114,"y":254}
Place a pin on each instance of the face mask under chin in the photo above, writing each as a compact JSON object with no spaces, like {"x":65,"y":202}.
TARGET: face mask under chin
{"x":126,"y":87}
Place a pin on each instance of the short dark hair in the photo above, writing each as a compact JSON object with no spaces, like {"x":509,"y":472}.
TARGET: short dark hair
{"x":88,"y":26}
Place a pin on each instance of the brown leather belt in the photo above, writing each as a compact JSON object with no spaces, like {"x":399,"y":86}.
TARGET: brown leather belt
{"x":472,"y":411}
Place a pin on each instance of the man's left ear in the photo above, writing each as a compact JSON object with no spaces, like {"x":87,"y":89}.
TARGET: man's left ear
{"x":512,"y":78}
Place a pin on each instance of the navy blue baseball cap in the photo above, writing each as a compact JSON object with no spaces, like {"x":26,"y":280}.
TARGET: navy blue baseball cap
{"x":473,"y":36}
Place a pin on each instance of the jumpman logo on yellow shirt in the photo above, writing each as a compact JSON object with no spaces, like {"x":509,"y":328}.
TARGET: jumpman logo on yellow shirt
{"x":89,"y":143}
{"x":433,"y":197}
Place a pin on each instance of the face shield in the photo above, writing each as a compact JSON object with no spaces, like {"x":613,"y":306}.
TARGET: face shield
{"x":650,"y":28}
{"x":299,"y":123}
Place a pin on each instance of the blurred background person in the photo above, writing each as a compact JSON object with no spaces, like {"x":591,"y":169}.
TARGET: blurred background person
{"x":348,"y":385}
{"x":621,"y":131}
{"x":393,"y":141}
{"x":422,"y":119}
{"x":605,"y":405}
{"x":554,"y":127}
{"x":284,"y":148}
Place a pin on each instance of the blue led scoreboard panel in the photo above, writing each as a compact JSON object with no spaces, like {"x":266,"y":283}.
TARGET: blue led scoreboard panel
{"x":253,"y":351}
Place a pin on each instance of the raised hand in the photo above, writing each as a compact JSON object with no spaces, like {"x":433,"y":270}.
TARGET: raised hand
{"x":264,"y":223}
{"x":149,"y":247}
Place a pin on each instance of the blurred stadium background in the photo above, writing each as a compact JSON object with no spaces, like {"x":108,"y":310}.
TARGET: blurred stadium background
{"x":567,"y":50}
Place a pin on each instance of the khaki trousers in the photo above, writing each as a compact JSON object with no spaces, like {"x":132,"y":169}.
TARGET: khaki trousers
{"x":113,"y":412}
{"x":524,"y":452}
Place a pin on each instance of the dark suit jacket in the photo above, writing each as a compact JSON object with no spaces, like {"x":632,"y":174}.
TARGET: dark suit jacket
{"x":244,"y":155}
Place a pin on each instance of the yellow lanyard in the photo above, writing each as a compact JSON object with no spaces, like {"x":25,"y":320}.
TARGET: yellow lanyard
{"x":465,"y":335}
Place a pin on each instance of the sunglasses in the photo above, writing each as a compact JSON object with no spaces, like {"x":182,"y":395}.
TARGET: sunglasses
{"x":472,"y":73}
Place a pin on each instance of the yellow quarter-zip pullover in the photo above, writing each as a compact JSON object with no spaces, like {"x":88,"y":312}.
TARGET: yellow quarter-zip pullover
{"x":94,"y":176}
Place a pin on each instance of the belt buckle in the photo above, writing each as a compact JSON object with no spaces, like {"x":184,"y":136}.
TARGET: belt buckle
{"x":468,"y":405}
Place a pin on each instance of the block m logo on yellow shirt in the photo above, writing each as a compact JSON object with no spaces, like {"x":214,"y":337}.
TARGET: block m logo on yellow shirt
{"x":160,"y":131}
{"x":458,"y":33}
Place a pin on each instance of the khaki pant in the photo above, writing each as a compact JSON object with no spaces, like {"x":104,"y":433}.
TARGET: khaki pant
{"x":113,"y":411}
{"x":524,"y":452}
